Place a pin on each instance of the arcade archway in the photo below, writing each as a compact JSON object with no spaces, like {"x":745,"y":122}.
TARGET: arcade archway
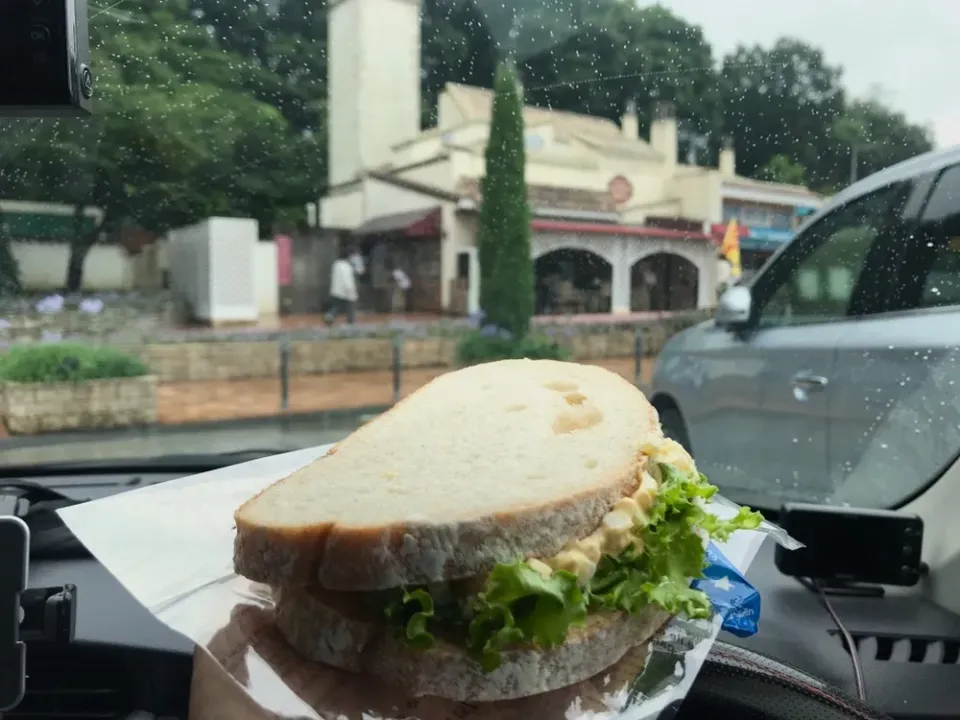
{"x":663,"y":281}
{"x":572,"y":281}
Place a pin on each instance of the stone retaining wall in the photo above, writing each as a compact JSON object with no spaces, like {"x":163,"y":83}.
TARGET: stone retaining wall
{"x":46,"y":407}
{"x":239,"y":359}
{"x":133,"y":315}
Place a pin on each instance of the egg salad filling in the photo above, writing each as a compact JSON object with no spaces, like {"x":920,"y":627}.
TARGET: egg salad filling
{"x":646,"y":551}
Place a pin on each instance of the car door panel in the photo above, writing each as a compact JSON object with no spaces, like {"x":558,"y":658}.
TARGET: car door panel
{"x":898,"y":413}
{"x":715,"y":380}
{"x":831,"y":274}
{"x":795,"y":390}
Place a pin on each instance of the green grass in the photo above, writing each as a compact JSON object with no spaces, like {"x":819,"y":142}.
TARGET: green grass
{"x":66,"y":362}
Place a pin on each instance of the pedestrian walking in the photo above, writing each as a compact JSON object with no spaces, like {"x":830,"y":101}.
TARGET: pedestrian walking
{"x":401,"y":287}
{"x":343,"y":288}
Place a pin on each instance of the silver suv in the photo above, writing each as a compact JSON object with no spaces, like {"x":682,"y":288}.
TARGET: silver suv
{"x":834,"y":374}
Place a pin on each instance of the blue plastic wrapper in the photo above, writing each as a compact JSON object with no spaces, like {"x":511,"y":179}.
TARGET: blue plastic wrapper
{"x":735,"y":600}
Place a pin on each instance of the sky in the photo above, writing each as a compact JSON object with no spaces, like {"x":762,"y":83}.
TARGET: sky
{"x":905,"y":53}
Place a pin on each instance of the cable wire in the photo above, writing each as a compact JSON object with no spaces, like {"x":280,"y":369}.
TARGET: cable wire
{"x":847,"y":637}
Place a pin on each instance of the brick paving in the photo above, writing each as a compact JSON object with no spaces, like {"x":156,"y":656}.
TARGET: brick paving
{"x":211,"y":400}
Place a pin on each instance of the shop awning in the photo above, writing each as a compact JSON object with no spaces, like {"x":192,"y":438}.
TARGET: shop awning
{"x":413,"y":224}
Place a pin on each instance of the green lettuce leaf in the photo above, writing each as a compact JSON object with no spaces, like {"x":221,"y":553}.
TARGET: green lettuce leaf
{"x":410,"y":614}
{"x":671,"y":551}
{"x":518,"y":604}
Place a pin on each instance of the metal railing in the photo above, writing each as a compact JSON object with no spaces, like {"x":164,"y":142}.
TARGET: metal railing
{"x":397,"y":367}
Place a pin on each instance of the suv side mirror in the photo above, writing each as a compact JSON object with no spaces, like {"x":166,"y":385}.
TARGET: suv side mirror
{"x":734,"y":306}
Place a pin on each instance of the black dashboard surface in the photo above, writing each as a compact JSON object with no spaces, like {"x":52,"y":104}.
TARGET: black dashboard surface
{"x":910,"y":648}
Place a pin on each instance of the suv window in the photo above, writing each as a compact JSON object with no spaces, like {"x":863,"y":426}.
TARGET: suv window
{"x":931,"y":275}
{"x":819,"y":274}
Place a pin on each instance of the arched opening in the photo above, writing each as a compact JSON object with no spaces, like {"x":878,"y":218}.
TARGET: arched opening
{"x":663,"y":281}
{"x":570,"y":281}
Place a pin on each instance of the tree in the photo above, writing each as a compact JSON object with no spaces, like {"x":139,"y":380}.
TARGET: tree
{"x":456,"y":46}
{"x":782,"y":101}
{"x":788,"y":101}
{"x":874,"y":137}
{"x":503,"y":238}
{"x":781,"y":169}
{"x":621,"y":52}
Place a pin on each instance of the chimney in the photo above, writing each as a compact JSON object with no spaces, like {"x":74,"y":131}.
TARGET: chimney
{"x":629,"y":125}
{"x":728,"y":157}
{"x":663,"y":131}
{"x":359,"y":136}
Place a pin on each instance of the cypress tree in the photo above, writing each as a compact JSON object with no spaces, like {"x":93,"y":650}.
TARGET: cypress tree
{"x":503,"y":237}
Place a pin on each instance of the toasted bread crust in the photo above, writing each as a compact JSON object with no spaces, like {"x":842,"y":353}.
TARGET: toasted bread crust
{"x":371,"y":558}
{"x":364,"y":644}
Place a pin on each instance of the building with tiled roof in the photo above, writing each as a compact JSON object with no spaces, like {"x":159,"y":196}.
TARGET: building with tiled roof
{"x":613,"y":213}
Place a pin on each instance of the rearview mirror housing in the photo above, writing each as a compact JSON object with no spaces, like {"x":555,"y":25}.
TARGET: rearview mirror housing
{"x":733,"y":307}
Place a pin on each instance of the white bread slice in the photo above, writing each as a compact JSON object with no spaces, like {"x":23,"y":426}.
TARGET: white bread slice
{"x":483,"y":465}
{"x":358,"y":642}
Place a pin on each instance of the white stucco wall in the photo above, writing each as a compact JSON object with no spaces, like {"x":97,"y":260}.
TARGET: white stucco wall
{"x":43,"y":266}
{"x":213,"y":267}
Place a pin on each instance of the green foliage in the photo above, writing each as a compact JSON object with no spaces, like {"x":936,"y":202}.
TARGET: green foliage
{"x":788,"y":101}
{"x":503,"y":238}
{"x":488,"y":345}
{"x":66,"y":362}
{"x":781,"y":169}
{"x":607,"y":52}
{"x":882,"y":137}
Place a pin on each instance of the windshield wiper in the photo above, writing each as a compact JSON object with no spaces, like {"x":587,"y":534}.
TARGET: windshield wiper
{"x":187,"y":463}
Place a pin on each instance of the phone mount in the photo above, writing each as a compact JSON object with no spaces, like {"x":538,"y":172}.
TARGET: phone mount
{"x":35,"y":615}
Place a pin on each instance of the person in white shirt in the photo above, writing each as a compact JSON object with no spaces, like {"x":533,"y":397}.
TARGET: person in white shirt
{"x":401,"y":285}
{"x":343,"y":289}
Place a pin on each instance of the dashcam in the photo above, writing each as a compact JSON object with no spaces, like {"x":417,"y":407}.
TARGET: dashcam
{"x":45,"y":58}
{"x":852,"y":545}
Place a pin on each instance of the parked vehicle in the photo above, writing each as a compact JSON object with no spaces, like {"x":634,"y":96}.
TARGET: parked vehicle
{"x":833,"y":375}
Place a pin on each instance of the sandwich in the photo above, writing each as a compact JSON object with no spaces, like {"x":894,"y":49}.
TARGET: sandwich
{"x":509,"y":529}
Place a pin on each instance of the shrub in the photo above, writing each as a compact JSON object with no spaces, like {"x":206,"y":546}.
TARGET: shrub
{"x":65,"y":362}
{"x":503,"y":233}
{"x":490,"y":344}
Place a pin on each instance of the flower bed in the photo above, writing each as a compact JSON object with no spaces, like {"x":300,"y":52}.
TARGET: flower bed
{"x":45,"y":388}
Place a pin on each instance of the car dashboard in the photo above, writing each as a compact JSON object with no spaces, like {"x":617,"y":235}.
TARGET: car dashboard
{"x":125,"y":663}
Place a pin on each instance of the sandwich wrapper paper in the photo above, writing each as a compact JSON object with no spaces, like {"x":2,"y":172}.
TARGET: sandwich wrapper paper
{"x":171,"y":546}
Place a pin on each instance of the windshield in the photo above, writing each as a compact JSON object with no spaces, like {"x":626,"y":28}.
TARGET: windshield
{"x":283,"y":216}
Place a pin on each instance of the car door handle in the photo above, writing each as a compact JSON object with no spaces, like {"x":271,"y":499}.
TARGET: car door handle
{"x":808,"y":381}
